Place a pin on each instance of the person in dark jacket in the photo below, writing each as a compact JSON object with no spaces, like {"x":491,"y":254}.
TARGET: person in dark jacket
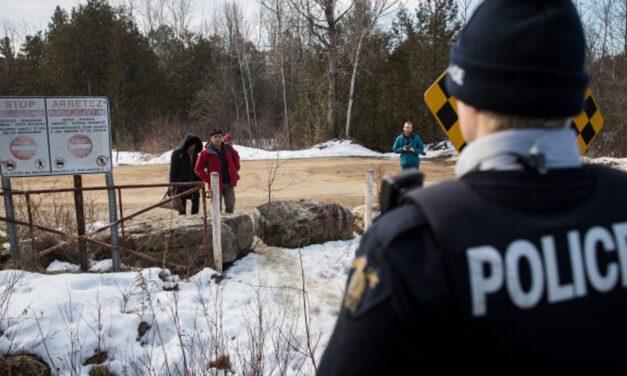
{"x":409,"y":145}
{"x":518,"y":267}
{"x":182,"y":164}
{"x":220,"y":157}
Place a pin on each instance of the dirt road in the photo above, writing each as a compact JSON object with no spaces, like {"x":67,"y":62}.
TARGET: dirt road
{"x":339,"y":180}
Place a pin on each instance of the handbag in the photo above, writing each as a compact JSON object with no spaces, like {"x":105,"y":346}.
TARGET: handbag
{"x":174,"y":204}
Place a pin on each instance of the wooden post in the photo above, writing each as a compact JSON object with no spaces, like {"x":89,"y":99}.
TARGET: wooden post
{"x":216,"y":224}
{"x":80,"y":220}
{"x":30,"y":222}
{"x":205,"y":246}
{"x":368,"y":209}
{"x":10,"y":213}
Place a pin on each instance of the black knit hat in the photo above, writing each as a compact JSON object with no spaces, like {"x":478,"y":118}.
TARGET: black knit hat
{"x":522,"y":58}
{"x":215,"y":131}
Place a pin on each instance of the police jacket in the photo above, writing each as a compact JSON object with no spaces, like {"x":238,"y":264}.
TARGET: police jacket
{"x":500,"y":272}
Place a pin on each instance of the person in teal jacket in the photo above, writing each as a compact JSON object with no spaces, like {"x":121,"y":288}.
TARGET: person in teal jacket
{"x":409,"y":146}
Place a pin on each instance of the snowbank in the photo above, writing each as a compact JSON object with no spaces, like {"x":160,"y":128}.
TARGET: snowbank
{"x":334,"y":148}
{"x":65,"y":318}
{"x":619,"y":163}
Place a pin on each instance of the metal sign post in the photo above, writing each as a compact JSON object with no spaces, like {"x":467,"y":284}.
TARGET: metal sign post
{"x":113,"y":217}
{"x":10,"y":213}
{"x":80,"y":221}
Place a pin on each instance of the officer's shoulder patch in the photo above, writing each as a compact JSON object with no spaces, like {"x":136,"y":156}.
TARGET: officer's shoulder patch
{"x":366,"y":287}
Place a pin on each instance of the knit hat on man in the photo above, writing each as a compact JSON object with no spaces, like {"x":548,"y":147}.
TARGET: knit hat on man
{"x":216,"y":131}
{"x":522,"y":58}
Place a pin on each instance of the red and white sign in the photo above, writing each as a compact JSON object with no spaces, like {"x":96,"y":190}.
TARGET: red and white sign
{"x":23,"y":137}
{"x":54,"y":136}
{"x":80,"y":146}
{"x":79,"y":133}
{"x":23,"y":148}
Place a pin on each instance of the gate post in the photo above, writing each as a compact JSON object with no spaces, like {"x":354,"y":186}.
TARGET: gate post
{"x":216,"y":225}
{"x":80,"y":221}
{"x":10,"y":212}
{"x":113,"y":216}
{"x":368,"y":209}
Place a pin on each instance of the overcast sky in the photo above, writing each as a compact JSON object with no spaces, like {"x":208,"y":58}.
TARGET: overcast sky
{"x":28,"y":16}
{"x":35,"y":14}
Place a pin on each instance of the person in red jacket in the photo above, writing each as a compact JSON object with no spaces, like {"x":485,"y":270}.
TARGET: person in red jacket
{"x":228,"y":139}
{"x":219,"y":157}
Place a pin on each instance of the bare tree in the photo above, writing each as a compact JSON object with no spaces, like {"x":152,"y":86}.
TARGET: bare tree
{"x":625,"y":33}
{"x":323,"y":19}
{"x":604,"y":38}
{"x":277,"y":8}
{"x":8,"y":41}
{"x":236,"y":37}
{"x":153,"y":14}
{"x":367,"y":14}
{"x":129,"y":6}
{"x":180,"y":14}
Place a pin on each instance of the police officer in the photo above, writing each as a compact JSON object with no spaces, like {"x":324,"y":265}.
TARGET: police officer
{"x":520,"y":265}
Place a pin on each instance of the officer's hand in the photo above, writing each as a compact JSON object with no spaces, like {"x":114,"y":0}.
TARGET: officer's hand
{"x":412,"y":150}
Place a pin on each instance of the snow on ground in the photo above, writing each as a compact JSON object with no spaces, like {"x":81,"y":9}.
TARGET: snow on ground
{"x":334,"y":148}
{"x":60,"y":266}
{"x":619,"y":163}
{"x":65,"y":318}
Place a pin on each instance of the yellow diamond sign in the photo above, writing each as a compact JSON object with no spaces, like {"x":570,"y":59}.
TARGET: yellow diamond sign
{"x":442,"y":105}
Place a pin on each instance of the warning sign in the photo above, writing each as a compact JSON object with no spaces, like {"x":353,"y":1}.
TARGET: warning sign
{"x":588,"y":123}
{"x":79,"y":133}
{"x":54,"y":136}
{"x":23,"y":137}
{"x":443,"y":106}
{"x":23,"y":147}
{"x":80,"y":146}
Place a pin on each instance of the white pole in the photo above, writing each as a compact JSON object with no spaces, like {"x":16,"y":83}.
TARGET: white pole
{"x":368,"y":211}
{"x":216,"y":224}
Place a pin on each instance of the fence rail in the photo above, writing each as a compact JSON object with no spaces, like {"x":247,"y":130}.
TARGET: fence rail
{"x":87,"y":237}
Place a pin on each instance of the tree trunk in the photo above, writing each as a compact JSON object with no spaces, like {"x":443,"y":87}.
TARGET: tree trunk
{"x":285,"y":112}
{"x":245,"y":90}
{"x":283,"y":84}
{"x":311,"y":123}
{"x":329,"y":12}
{"x":352,"y":88}
{"x":251,"y":87}
{"x":332,"y":54}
